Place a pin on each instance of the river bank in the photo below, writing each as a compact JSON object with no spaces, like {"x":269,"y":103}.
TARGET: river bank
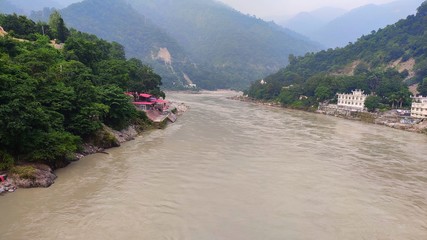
{"x":31,"y":175}
{"x":389,"y":118}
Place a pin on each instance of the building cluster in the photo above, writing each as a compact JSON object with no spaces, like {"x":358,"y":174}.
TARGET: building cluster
{"x":145,"y":102}
{"x":419,"y":107}
{"x":352,"y":101}
{"x":355,"y":101}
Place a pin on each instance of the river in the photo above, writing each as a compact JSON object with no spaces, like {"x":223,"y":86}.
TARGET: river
{"x":233,"y":170}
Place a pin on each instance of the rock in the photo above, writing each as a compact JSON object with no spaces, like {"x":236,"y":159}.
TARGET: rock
{"x":181,"y":108}
{"x":124,"y":135}
{"x":41,"y":176}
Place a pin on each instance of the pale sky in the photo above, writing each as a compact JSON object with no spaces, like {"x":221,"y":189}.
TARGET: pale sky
{"x":279,"y":9}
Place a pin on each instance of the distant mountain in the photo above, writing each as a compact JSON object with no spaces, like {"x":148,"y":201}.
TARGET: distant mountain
{"x":190,"y":41}
{"x":26,"y":6}
{"x":68,"y":2}
{"x":308,"y":22}
{"x":8,"y":7}
{"x":353,"y":24}
{"x":241,"y":47}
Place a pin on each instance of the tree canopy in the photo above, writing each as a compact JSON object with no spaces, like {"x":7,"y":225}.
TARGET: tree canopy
{"x":52,"y":99}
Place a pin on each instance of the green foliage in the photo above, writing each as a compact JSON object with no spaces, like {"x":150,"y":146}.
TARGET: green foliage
{"x":112,"y":71}
{"x":121,"y":111}
{"x":18,"y":26}
{"x":321,"y":75}
{"x":54,"y":145}
{"x":143,"y":78}
{"x":25,"y":172}
{"x":57,"y":26}
{"x":289,"y":96}
{"x":422,"y":87}
{"x":6,"y":161}
{"x":86,"y":49}
{"x":51,"y":99}
{"x":372,"y":103}
{"x":323,"y":93}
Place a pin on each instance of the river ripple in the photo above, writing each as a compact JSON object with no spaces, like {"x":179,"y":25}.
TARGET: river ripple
{"x":233,"y":170}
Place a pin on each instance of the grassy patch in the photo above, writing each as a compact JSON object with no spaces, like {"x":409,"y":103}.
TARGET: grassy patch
{"x":366,"y":117}
{"x":26,"y":172}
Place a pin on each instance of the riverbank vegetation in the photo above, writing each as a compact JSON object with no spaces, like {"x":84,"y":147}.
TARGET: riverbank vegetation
{"x":383,"y":63}
{"x":56,"y":94}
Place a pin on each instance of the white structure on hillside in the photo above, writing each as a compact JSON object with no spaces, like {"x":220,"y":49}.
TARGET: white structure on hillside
{"x":419,"y":107}
{"x":352,"y":101}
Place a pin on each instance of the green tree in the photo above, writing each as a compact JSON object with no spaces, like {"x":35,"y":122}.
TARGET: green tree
{"x":113,"y":71}
{"x":57,"y":27}
{"x":18,"y":26}
{"x":372,"y":103}
{"x":289,"y":95}
{"x":422,"y":87}
{"x":121,"y":111}
{"x":144,"y":79}
{"x":323,"y":93}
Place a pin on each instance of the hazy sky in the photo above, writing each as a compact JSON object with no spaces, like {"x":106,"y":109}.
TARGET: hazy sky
{"x":276,"y":9}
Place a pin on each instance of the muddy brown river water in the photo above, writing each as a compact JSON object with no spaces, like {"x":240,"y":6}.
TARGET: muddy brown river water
{"x":234,"y":170}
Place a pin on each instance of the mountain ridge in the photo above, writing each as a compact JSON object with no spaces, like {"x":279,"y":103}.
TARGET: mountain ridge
{"x":354,"y":23}
{"x":209,"y":42}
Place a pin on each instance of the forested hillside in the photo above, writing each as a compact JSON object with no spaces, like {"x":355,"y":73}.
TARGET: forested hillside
{"x":54,"y":96}
{"x":202,"y":42}
{"x":116,"y":21}
{"x":241,"y":46}
{"x":384,"y":62}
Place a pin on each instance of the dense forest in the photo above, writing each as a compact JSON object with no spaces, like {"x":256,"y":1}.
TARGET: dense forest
{"x":317,"y":77}
{"x":55,"y":96}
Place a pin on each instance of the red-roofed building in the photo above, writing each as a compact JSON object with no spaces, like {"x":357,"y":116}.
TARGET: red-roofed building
{"x":162,"y":104}
{"x":144,"y":106}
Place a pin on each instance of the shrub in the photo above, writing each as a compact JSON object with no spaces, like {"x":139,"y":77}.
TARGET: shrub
{"x":26,"y":172}
{"x":6,"y":161}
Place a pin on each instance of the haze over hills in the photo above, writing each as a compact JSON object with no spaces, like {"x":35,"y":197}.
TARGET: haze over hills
{"x":116,"y":21}
{"x":308,"y":22}
{"x":351,"y":25}
{"x":212,"y":30}
{"x":9,"y":8}
{"x":214,"y":34}
{"x":191,"y":41}
{"x":26,"y":6}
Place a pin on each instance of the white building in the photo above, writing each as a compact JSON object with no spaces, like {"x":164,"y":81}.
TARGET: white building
{"x":352,"y":101}
{"x":419,"y":107}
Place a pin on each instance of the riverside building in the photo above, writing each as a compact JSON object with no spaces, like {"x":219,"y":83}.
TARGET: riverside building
{"x":352,"y":101}
{"x":419,"y":107}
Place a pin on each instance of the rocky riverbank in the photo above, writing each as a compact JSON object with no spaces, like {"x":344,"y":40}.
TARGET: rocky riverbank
{"x":29,"y":175}
{"x":390,"y":118}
